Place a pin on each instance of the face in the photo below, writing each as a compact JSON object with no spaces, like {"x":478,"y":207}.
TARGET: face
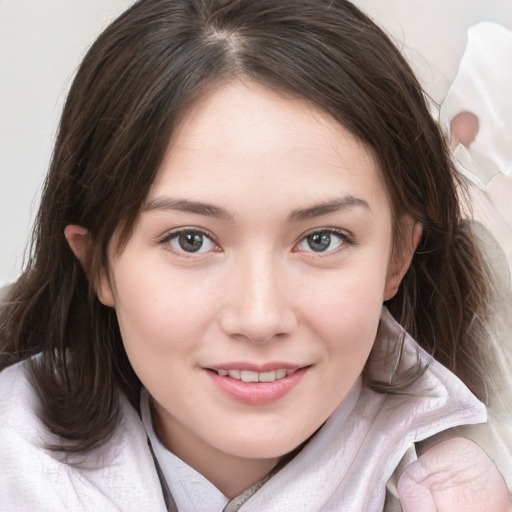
{"x":249,"y":294}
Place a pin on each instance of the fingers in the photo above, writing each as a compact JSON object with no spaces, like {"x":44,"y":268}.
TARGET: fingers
{"x":453,"y":475}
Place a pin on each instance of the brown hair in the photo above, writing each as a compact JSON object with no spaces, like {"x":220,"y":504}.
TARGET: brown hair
{"x":126,"y":97}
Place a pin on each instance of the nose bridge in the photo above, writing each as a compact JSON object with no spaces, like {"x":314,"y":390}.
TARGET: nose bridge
{"x":259,"y":307}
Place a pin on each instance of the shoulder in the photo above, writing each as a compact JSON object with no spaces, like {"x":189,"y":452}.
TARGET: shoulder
{"x":22,"y":439}
{"x":33,"y":478}
{"x":455,"y":474}
{"x":119,"y":475}
{"x":18,"y":400}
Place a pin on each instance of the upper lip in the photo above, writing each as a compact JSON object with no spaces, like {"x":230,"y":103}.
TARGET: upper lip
{"x":259,"y":368}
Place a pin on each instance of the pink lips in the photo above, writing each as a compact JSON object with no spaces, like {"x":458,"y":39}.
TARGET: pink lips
{"x":256,"y":393}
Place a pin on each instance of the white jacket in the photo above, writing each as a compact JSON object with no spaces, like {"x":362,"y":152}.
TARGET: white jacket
{"x":346,"y":466}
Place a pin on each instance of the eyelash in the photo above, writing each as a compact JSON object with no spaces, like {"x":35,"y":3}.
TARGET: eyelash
{"x":175,"y":234}
{"x":345,"y":240}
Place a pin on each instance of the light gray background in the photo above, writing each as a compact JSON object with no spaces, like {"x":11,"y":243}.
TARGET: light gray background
{"x":41,"y":45}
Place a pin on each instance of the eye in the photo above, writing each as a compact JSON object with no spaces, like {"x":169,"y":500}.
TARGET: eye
{"x":326,"y":240}
{"x":190,"y":241}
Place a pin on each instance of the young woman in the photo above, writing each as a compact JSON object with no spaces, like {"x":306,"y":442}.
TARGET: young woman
{"x":236,"y":190}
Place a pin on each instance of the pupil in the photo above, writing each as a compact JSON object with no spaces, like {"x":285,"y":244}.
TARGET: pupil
{"x":319,"y":241}
{"x":191,"y":242}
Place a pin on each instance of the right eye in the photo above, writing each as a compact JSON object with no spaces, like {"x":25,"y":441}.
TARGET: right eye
{"x":190,"y":241}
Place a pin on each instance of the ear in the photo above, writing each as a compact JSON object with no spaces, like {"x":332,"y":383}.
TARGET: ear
{"x":104,"y":289}
{"x":402,"y":257}
{"x":78,"y":240}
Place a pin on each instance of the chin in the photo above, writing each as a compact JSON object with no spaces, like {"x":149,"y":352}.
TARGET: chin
{"x":263,"y":447}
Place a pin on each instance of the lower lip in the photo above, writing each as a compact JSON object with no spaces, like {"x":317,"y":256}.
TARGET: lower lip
{"x":257,"y":393}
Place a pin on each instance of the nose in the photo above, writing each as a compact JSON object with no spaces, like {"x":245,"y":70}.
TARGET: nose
{"x":258,"y":304}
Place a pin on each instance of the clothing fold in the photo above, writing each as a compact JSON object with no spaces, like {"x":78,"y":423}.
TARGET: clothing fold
{"x":345,"y":466}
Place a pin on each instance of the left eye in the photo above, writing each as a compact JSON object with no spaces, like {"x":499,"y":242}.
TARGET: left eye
{"x":321,"y":241}
{"x":191,"y":242}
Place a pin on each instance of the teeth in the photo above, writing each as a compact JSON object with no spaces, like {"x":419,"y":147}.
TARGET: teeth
{"x":250,"y":376}
{"x":267,"y":376}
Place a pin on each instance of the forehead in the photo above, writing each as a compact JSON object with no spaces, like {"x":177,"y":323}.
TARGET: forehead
{"x":242,"y":134}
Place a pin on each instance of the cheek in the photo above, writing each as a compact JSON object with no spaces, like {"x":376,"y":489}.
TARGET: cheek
{"x":160,"y":312}
{"x":347,"y":309}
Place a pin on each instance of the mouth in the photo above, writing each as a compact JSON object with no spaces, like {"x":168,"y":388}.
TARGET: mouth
{"x":253,"y":376}
{"x":257,"y":385}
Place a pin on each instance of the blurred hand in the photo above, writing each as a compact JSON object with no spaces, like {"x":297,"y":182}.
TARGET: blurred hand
{"x":453,"y":476}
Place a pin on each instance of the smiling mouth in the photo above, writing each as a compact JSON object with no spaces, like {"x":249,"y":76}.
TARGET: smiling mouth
{"x":252,"y":385}
{"x":251,"y":376}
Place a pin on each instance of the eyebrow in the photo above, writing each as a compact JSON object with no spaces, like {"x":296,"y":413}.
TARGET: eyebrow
{"x":186,"y":205}
{"x":327,"y":207}
{"x":210,"y":210}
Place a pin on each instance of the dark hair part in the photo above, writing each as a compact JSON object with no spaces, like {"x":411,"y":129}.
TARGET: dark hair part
{"x":134,"y":82}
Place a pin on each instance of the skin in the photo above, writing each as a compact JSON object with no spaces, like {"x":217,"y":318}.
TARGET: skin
{"x":453,"y":475}
{"x":256,"y":291}
{"x":464,"y":129}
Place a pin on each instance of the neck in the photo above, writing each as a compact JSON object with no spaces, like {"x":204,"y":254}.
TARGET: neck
{"x":231,"y":474}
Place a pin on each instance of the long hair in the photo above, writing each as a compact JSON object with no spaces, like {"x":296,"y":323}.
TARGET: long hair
{"x":134,"y":83}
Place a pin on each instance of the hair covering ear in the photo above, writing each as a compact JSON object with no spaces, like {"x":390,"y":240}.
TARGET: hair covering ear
{"x":401,"y":258}
{"x":77,"y":238}
{"x":104,"y":290}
